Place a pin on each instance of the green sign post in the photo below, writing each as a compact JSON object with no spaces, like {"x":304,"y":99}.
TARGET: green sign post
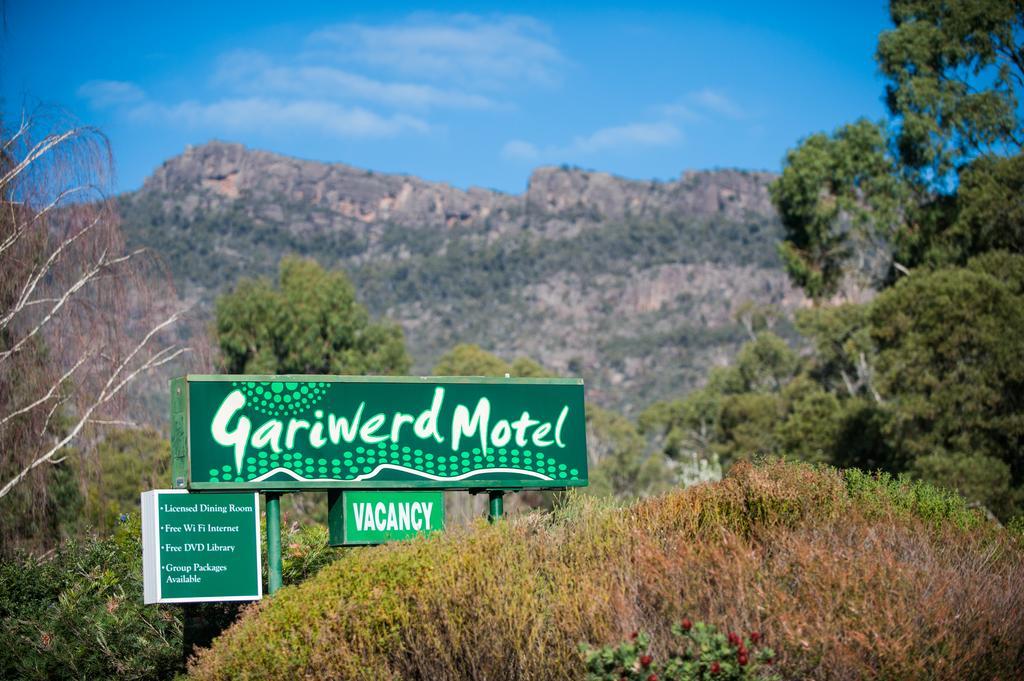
{"x":364,"y":517}
{"x":200,"y":547}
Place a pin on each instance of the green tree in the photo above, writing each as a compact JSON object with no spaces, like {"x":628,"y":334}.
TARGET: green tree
{"x":835,"y":194}
{"x":991,"y":213}
{"x":940,"y":180}
{"x":951,"y":365}
{"x":735,"y":415}
{"x":976,"y":477}
{"x":467,"y":359}
{"x":954,"y":70}
{"x":844,"y":351}
{"x":812,"y":426}
{"x":311,"y":323}
{"x":623,"y":467}
{"x":766,"y":363}
{"x":130,"y":462}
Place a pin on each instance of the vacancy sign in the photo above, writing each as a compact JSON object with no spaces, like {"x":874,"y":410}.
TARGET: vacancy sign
{"x":376,"y":517}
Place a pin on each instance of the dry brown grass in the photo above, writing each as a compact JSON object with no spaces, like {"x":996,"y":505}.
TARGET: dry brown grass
{"x":847,"y":577}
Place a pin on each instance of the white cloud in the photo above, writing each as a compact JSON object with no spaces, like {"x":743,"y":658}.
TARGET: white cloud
{"x":717,"y":102}
{"x":678,"y":111}
{"x":495,"y":51}
{"x":518,"y":150}
{"x":269,"y":115}
{"x":108,"y":93}
{"x":621,"y":138}
{"x":255,"y":73}
{"x":695,"y":109}
{"x":341,"y":81}
{"x":628,"y":137}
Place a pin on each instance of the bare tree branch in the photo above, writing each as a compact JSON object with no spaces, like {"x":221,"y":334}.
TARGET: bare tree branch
{"x":49,"y":393}
{"x":81,"y":317}
{"x":85,"y":279}
{"x":37,"y":151}
{"x":41,"y":271}
{"x":40,"y":215}
{"x":109,"y":391}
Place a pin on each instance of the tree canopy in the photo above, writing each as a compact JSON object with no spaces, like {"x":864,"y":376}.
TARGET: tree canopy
{"x":939,"y":181}
{"x":309,"y":323}
{"x":908,"y":235}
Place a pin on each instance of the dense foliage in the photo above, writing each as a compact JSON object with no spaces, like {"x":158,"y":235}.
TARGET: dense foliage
{"x":700,"y":652}
{"x":78,"y":613}
{"x":310,"y":324}
{"x":927,"y":379}
{"x":777,"y":549}
{"x":939,"y":181}
{"x":926,"y":207}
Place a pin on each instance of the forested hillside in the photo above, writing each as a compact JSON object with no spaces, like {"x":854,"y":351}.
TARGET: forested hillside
{"x":635,"y":285}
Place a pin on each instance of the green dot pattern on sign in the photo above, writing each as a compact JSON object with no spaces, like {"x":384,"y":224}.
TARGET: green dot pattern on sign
{"x":280,"y":398}
{"x":345,"y":465}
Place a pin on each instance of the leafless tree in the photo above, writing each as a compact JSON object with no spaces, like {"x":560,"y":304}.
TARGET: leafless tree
{"x":80,"y":316}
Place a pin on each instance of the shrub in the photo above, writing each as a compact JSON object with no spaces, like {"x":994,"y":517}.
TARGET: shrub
{"x":304,"y":552}
{"x":79,"y":614}
{"x":702,"y":653}
{"x":848,"y":576}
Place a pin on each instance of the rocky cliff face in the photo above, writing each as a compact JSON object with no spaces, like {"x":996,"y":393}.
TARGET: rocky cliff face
{"x":631,"y":283}
{"x":558,"y":200}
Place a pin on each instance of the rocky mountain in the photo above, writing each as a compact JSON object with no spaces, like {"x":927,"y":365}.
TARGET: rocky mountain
{"x":632,"y":284}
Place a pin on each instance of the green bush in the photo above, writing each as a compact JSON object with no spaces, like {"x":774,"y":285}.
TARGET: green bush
{"x":304,"y":552}
{"x":79,"y":614}
{"x":808,"y":555}
{"x":881,"y":493}
{"x":701,"y":652}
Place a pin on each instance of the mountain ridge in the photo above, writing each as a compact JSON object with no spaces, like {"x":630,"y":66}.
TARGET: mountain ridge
{"x":584,"y":271}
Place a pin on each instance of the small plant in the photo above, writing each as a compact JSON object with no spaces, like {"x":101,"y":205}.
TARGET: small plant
{"x":701,"y":652}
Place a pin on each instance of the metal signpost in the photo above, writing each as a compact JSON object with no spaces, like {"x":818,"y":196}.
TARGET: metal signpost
{"x":200,"y":547}
{"x":275,"y":434}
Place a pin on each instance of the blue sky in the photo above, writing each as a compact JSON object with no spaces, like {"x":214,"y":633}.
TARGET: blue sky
{"x":471,"y":97}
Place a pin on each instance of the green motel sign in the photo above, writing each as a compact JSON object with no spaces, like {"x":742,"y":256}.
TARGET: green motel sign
{"x":360,"y":432}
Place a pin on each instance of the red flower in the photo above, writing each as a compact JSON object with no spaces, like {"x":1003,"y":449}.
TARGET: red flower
{"x":755,"y":636}
{"x":742,"y":650}
{"x":634,"y":635}
{"x":686,"y":624}
{"x":646,"y":660}
{"x":652,"y":677}
{"x":734,"y":638}
{"x":743,"y":659}
{"x":715,"y":667}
